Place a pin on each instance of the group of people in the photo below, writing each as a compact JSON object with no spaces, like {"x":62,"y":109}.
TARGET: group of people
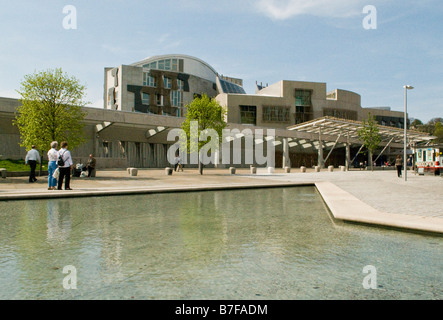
{"x":57,"y":159}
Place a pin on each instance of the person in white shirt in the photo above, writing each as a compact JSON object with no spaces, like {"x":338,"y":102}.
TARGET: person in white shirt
{"x":31,"y":158}
{"x":65,"y":169}
{"x":52,"y":165}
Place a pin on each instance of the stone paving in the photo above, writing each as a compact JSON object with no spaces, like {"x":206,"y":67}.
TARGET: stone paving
{"x":420,"y":196}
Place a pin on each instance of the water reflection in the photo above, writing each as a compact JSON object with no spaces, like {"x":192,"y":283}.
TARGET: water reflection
{"x":243,"y":244}
{"x":58,"y":222}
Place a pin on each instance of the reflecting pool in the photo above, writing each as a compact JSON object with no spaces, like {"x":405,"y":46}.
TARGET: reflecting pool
{"x":277,"y":243}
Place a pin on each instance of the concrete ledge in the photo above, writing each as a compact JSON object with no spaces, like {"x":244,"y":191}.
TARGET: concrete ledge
{"x":344,"y":206}
{"x":81,"y":193}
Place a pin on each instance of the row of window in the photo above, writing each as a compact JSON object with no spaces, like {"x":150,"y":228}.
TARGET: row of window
{"x":176,"y":98}
{"x":340,"y":113}
{"x":248,"y":114}
{"x":151,"y":81}
{"x":164,"y":64}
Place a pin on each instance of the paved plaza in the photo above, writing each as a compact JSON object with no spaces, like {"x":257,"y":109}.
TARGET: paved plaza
{"x":378,"y":197}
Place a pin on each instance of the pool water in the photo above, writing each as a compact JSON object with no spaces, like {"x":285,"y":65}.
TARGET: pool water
{"x":277,"y":243}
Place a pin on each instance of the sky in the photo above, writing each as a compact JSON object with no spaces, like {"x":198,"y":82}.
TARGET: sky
{"x":371,"y":52}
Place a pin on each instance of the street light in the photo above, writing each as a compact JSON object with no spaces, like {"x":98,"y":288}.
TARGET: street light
{"x":405,"y":124}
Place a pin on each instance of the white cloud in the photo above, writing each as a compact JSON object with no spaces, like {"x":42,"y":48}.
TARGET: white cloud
{"x":285,"y":9}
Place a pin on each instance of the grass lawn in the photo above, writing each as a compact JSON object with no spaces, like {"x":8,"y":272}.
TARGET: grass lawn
{"x":19,"y":165}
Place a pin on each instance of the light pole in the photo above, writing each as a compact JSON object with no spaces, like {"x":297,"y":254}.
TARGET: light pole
{"x":405,"y":124}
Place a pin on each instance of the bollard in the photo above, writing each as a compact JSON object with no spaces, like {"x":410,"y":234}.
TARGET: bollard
{"x":253,"y":170}
{"x":331,"y":168}
{"x":133,"y":172}
{"x":232,"y":170}
{"x":302,"y":169}
{"x":343,"y":168}
{"x":317,"y":168}
{"x":271,"y":170}
{"x":168,"y":171}
{"x":287,"y":169}
{"x":3,"y":172}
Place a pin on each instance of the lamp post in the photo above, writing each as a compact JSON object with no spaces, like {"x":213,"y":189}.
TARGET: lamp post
{"x":405,"y":124}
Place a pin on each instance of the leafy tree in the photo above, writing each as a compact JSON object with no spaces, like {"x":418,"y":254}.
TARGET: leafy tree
{"x":210,"y":115}
{"x":370,"y":136}
{"x":416,"y":123}
{"x":438,"y":132}
{"x":50,"y":109}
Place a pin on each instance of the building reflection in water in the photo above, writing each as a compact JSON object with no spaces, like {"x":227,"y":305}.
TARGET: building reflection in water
{"x":58,"y":221}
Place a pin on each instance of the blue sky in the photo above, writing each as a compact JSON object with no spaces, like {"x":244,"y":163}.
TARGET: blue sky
{"x":260,"y":40}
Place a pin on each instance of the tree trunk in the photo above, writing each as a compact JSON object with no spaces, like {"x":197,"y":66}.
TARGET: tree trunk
{"x":200,"y":167}
{"x":372,"y":161}
{"x":41,"y":165}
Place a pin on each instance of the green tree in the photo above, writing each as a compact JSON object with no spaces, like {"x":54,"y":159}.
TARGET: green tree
{"x":370,"y":136}
{"x":210,"y":115}
{"x":50,"y":109}
{"x":416,"y":123}
{"x":438,"y":132}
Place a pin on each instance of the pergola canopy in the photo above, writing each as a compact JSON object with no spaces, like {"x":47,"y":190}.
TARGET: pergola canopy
{"x":333,"y":127}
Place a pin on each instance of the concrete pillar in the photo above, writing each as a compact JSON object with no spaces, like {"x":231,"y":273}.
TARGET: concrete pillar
{"x":348,"y":156}
{"x":286,"y":159}
{"x":321,"y":159}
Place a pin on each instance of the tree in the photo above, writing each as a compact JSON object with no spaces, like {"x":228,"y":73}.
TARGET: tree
{"x":416,"y":123}
{"x":438,"y":132}
{"x":370,"y":136}
{"x":50,"y":109}
{"x":210,"y":115}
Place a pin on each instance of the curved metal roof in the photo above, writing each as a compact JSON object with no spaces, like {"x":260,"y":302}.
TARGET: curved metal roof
{"x":172,"y":56}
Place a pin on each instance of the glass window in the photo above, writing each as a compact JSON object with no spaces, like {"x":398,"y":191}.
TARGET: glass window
{"x":180,"y":85}
{"x":149,"y":80}
{"x":276,"y":114}
{"x":248,"y":114}
{"x":146,"y":98}
{"x":167,"y":83}
{"x":159,"y":98}
{"x":174,"y":65}
{"x":176,"y":98}
{"x":168,"y":64}
{"x":303,"y":98}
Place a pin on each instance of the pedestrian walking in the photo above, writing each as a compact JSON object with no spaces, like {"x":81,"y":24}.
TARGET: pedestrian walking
{"x":52,"y":165}
{"x":399,"y":165}
{"x":65,"y":166}
{"x":31,"y":158}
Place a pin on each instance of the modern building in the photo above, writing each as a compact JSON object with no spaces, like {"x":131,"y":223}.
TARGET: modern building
{"x":287,"y":103}
{"x":163,"y":85}
{"x":145,"y":100}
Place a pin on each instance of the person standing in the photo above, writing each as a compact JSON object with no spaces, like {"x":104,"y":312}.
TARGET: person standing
{"x":91,"y":165}
{"x":66,"y":167}
{"x":399,"y":165}
{"x":31,"y":158}
{"x":52,"y":165}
